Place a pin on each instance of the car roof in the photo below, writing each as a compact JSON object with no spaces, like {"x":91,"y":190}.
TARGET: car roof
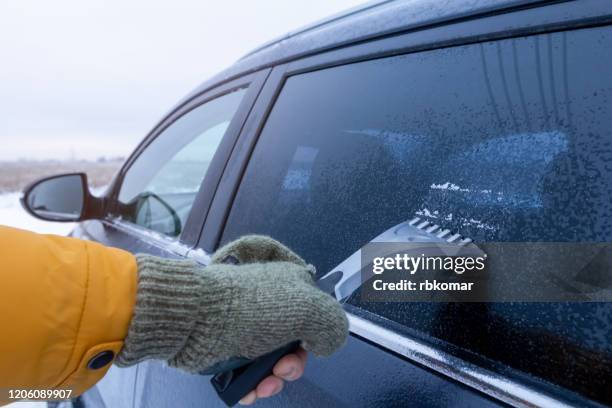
{"x":374,"y":19}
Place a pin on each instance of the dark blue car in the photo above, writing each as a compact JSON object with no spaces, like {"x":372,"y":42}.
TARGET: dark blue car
{"x":490,"y":117}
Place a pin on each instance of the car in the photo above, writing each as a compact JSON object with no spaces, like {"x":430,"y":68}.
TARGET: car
{"x":492,"y":118}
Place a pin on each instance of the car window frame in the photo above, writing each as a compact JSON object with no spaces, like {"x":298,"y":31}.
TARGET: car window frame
{"x":193,"y":226}
{"x":520,"y":21}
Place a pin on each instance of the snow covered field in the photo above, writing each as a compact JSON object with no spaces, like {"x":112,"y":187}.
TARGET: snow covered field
{"x":13,"y":215}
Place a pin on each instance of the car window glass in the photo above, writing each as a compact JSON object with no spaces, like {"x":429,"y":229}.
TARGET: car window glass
{"x":160,"y":187}
{"x":498,"y":141}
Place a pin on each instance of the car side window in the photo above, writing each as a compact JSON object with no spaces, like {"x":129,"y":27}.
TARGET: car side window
{"x":159,"y":188}
{"x":498,"y":141}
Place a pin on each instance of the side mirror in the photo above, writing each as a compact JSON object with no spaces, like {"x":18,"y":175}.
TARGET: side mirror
{"x":63,"y":198}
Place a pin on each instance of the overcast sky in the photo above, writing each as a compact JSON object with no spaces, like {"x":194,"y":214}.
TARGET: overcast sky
{"x":90,"y":78}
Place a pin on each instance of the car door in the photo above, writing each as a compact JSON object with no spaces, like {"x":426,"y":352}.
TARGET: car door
{"x":480,"y":138}
{"x":159,"y":200}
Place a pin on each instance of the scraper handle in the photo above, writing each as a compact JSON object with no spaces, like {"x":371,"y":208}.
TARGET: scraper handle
{"x":233,"y":385}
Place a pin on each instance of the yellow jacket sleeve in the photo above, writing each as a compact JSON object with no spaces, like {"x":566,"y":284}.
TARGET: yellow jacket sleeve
{"x":65,"y":308}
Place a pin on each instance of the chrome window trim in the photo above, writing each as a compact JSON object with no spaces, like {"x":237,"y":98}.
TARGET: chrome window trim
{"x":472,"y":375}
{"x":151,"y":237}
{"x":159,"y":240}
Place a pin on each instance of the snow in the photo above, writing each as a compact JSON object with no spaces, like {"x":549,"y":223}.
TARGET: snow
{"x":199,"y":255}
{"x":426,"y":213}
{"x":478,"y":224}
{"x":13,"y":215}
{"x":448,"y":186}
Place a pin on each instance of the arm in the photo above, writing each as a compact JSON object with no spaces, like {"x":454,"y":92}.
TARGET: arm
{"x":63,"y":301}
{"x":67,"y":301}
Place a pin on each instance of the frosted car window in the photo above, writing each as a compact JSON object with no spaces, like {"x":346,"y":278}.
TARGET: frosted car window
{"x":161,"y":185}
{"x":499,"y":141}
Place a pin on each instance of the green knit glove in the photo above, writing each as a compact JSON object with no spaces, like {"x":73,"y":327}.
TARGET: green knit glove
{"x":195,"y":317}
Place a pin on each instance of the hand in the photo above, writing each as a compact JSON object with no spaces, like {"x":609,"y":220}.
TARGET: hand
{"x":263,"y":299}
{"x":289,"y":368}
